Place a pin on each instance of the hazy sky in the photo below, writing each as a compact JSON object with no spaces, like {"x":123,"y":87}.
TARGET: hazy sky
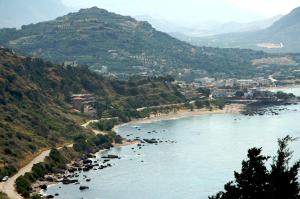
{"x":194,"y":11}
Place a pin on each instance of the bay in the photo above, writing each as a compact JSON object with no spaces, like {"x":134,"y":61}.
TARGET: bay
{"x":196,"y":158}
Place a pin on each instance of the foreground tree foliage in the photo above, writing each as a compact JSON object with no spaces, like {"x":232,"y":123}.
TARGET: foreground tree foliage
{"x":255,"y":181}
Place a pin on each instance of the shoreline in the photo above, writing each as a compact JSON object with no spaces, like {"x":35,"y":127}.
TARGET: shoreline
{"x":183,"y":113}
{"x":173,"y":115}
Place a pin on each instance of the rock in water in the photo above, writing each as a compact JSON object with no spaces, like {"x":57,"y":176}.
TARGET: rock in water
{"x":83,"y":187}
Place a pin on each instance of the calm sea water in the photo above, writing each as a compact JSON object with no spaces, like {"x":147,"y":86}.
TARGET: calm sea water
{"x":208,"y":149}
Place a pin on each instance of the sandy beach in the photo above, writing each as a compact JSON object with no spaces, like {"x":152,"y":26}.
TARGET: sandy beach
{"x":228,"y":109}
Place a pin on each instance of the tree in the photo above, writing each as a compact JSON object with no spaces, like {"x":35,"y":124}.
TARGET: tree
{"x":284,"y":181}
{"x":205,"y":91}
{"x":252,"y":182}
{"x":256,"y":182}
{"x":82,"y":108}
{"x":99,"y":109}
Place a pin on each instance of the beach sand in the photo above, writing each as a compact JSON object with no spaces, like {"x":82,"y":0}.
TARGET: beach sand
{"x":228,"y":109}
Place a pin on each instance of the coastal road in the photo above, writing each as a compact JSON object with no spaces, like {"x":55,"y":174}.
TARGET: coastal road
{"x":8,"y":187}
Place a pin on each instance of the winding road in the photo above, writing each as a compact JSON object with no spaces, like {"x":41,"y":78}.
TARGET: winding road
{"x":8,"y":187}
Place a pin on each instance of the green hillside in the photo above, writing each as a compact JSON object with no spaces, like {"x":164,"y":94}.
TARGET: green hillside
{"x":35,"y":109}
{"x":96,"y":37}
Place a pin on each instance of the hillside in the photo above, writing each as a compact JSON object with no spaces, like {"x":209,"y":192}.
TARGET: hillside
{"x":35,"y":112}
{"x":282,"y":36}
{"x":96,"y":37}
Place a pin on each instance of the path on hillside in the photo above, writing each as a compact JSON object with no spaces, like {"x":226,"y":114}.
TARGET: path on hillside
{"x":97,"y":132}
{"x":8,"y":187}
{"x":85,"y":125}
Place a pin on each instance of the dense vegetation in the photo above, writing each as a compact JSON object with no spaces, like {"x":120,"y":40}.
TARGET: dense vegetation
{"x":35,"y":110}
{"x":104,"y":124}
{"x":96,"y":37}
{"x":256,"y":181}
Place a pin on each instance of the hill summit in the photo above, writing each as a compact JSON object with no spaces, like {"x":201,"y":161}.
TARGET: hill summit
{"x":96,"y":37}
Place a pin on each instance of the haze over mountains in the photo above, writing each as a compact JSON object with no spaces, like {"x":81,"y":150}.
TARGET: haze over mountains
{"x":282,"y":36}
{"x":208,"y":28}
{"x":15,"y":13}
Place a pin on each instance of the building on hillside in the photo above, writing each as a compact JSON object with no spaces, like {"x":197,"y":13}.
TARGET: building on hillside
{"x":259,"y":94}
{"x":83,"y":101}
{"x":230,"y":83}
{"x":262,"y":82}
{"x":245,"y":83}
{"x":220,"y":84}
{"x":70,"y":63}
{"x":206,"y":81}
{"x":223,"y":93}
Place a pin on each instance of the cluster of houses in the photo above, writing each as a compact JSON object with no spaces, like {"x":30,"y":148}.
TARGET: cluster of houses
{"x":247,"y":94}
{"x":83,"y":102}
{"x":242,"y":89}
{"x":235,"y":83}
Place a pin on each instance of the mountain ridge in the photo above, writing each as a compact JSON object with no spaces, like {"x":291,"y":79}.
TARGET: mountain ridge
{"x":281,"y":37}
{"x":96,"y":37}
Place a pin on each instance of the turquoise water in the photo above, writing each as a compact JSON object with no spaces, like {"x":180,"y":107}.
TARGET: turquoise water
{"x":206,"y":151}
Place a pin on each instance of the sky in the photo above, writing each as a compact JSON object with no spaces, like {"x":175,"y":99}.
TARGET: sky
{"x":194,"y":11}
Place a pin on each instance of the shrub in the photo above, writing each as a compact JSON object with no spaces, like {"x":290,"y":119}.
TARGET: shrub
{"x":23,"y":186}
{"x":104,"y":124}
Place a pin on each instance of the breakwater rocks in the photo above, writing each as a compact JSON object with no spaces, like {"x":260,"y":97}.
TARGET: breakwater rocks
{"x":71,"y":174}
{"x":76,"y":172}
{"x":268,"y":107}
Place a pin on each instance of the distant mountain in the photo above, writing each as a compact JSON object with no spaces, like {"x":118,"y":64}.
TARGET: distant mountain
{"x":232,"y":27}
{"x":96,"y":37}
{"x":15,"y":13}
{"x":207,"y":28}
{"x":282,"y":36}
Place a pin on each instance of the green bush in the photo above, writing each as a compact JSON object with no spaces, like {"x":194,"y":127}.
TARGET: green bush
{"x":100,"y":140}
{"x":104,"y":124}
{"x":23,"y":186}
{"x":219,"y":103}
